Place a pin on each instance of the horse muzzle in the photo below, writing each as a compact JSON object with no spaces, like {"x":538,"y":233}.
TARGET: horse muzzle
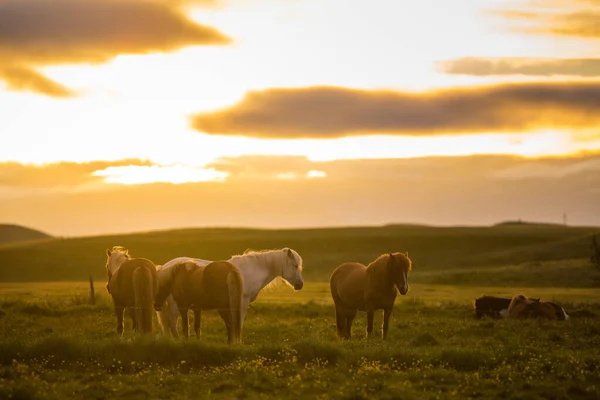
{"x":299,"y":286}
{"x":403,"y":290}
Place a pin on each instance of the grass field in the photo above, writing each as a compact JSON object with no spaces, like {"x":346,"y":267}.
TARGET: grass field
{"x":54,"y":344}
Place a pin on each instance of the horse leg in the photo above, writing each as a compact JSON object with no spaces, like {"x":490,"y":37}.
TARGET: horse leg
{"x":245,"y":304}
{"x":184,"y":322}
{"x":226,"y":316}
{"x":387,"y":313}
{"x":119,"y":313}
{"x":370,"y":317}
{"x":340,"y":322}
{"x":350,"y":315}
{"x":197,"y":320}
{"x":131,"y":312}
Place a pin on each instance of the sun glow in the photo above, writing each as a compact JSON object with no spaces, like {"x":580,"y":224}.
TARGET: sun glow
{"x":313,"y":173}
{"x":135,"y":174}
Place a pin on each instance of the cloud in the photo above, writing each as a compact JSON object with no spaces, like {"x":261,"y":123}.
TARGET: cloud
{"x":332,"y":112}
{"x":59,"y":175}
{"x":71,"y":31}
{"x":581,"y":67}
{"x":43,"y":32}
{"x":411,"y":170}
{"x":24,"y":79}
{"x":442,"y":190}
{"x":568,"y":18}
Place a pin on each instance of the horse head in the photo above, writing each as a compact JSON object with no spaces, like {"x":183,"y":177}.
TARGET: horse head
{"x":292,"y":268}
{"x":398,"y":266}
{"x":115,"y":258}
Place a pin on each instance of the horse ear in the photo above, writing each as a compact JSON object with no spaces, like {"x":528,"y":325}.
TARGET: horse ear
{"x":108,"y":252}
{"x":406,"y":253}
{"x":289,"y":252}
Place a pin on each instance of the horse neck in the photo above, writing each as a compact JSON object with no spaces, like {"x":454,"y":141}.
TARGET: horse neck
{"x":259,"y":267}
{"x":380,"y":275}
{"x":118,"y":265}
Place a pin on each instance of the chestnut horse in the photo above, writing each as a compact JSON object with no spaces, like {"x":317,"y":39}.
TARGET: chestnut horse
{"x":131,"y":283}
{"x":216,"y":286}
{"x":521,"y":307}
{"x":374,"y":287}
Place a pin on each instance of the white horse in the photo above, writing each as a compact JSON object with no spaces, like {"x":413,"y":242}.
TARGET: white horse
{"x":260,"y":269}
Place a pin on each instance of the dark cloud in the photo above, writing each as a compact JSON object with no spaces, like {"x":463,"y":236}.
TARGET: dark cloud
{"x":582,"y":67}
{"x":45,"y":32}
{"x":64,"y":174}
{"x":330,"y":112}
{"x":24,"y":79}
{"x":71,"y":31}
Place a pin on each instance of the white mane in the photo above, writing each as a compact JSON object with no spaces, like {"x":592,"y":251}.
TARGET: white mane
{"x":123,"y":254}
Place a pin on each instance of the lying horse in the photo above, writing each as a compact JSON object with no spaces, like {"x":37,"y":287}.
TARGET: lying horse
{"x":131,"y":283}
{"x":495,"y":307}
{"x":355,"y":286}
{"x":521,"y":307}
{"x":217,"y":286}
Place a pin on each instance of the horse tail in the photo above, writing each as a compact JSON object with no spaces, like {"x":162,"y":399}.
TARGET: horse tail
{"x":235,"y":284}
{"x":143,"y":288}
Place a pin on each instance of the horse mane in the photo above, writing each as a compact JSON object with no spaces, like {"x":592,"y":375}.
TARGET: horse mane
{"x":120,"y":249}
{"x":384,"y":259}
{"x":277,"y":281}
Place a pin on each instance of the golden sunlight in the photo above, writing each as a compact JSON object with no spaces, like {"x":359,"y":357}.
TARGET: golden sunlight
{"x":135,"y":174}
{"x":313,"y":173}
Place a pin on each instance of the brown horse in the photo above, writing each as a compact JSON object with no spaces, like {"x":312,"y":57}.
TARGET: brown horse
{"x":495,"y":307}
{"x":217,"y":286}
{"x":131,"y":283}
{"x":374,"y":287}
{"x":521,"y":307}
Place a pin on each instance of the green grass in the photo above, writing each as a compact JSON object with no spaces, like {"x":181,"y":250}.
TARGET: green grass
{"x":53,"y":345}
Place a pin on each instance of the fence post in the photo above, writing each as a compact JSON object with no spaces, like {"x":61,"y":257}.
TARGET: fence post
{"x":92,"y":294}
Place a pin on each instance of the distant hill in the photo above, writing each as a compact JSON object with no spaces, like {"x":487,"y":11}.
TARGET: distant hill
{"x":526,"y":223}
{"x":439,"y":254}
{"x":16,"y":233}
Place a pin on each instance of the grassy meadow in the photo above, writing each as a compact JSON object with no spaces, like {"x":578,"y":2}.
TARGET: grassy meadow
{"x":54,"y":344}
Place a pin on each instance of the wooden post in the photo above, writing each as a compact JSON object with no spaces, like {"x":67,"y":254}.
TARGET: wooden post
{"x":92,"y":294}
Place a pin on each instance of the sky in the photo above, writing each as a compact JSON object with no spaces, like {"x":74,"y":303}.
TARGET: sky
{"x":129,"y":115}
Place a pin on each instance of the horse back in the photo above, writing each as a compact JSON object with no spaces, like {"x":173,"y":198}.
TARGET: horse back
{"x":187,"y":284}
{"x":347,"y":284}
{"x":215,"y":284}
{"x":121,"y":283}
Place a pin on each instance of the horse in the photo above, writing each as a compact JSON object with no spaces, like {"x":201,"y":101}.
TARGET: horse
{"x":131,"y":283}
{"x":521,"y":307}
{"x":260,"y":269}
{"x":561,"y":314}
{"x":355,"y":286}
{"x":495,"y":307}
{"x":167,"y":317}
{"x":218,"y":285}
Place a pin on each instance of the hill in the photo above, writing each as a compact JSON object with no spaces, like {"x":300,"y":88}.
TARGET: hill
{"x":15,"y":233}
{"x":450,"y":255}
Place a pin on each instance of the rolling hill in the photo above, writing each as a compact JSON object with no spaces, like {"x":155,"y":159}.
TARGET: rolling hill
{"x":454,"y":255}
{"x":16,"y":233}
